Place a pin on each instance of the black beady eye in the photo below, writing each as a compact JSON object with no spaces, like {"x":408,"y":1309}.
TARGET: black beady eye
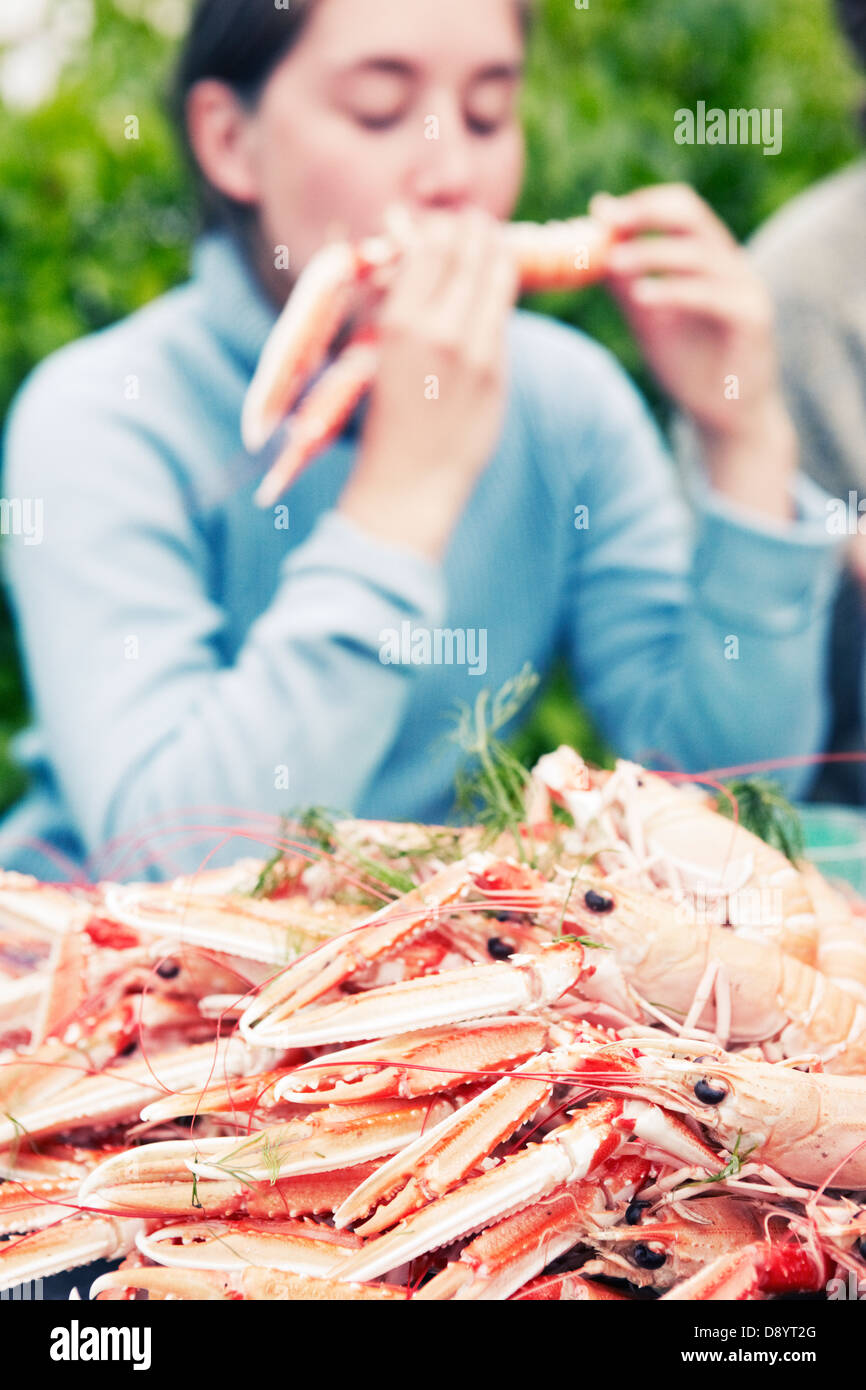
{"x":634,"y":1212}
{"x":710,"y":1092}
{"x":647,"y":1258}
{"x":598,"y":902}
{"x":861,"y":1247}
{"x":499,"y":949}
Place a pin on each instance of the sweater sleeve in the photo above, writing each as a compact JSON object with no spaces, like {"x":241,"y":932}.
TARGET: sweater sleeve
{"x":700,"y":642}
{"x":125,"y":642}
{"x":825,"y":390}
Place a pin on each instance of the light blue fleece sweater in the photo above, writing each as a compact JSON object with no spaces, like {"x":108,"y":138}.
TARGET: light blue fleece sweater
{"x":187,"y":653}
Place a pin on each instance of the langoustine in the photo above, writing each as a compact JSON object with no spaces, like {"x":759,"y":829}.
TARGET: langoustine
{"x":492,"y":1073}
{"x":553,"y":255}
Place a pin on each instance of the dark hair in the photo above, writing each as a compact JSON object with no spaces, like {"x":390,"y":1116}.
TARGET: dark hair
{"x":852,"y":17}
{"x":241,"y":43}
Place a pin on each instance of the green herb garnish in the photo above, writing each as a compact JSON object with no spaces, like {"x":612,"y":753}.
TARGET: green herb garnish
{"x":565,"y":909}
{"x":271,"y":876}
{"x":271,"y":1159}
{"x":321,"y":828}
{"x":732,"y":1168}
{"x":389,"y":878}
{"x":764,"y":810}
{"x":586,"y":941}
{"x":492,"y":791}
{"x":21,"y":1132}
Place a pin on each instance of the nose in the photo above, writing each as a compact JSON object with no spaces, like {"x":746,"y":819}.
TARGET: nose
{"x":443,"y":175}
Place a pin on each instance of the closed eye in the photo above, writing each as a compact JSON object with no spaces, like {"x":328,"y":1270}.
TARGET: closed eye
{"x":479,"y":127}
{"x":384,"y":122}
{"x":491,"y":101}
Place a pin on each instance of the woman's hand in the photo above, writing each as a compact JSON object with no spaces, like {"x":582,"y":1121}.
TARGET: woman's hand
{"x":704,"y":321}
{"x":437,"y":405}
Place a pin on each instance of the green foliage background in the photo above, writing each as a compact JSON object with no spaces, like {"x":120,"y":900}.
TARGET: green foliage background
{"x":93,"y":225}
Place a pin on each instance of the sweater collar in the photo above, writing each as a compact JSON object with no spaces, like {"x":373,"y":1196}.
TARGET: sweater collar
{"x":235,"y":303}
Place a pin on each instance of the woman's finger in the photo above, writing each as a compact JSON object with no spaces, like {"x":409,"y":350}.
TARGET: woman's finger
{"x":475,"y":239}
{"x":425,"y":269}
{"x":668,"y":255}
{"x":666,"y":207}
{"x":485,"y":332}
{"x":711,"y":298}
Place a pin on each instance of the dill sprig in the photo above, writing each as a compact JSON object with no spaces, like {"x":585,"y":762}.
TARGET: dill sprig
{"x":765,"y":811}
{"x":321,"y":828}
{"x":732,"y":1168}
{"x":21,"y":1133}
{"x":383,"y":874}
{"x":267,"y":1151}
{"x":271,"y":1159}
{"x":561,"y":921}
{"x":492,"y":789}
{"x":271,"y":876}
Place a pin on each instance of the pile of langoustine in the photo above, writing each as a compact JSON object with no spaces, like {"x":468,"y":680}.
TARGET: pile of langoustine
{"x":619,"y":1054}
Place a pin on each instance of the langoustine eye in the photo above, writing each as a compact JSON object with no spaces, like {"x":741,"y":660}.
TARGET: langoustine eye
{"x":710,"y":1092}
{"x":598,"y":902}
{"x":645,"y":1257}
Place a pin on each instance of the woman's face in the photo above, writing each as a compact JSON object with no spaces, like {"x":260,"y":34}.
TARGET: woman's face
{"x":383,"y":101}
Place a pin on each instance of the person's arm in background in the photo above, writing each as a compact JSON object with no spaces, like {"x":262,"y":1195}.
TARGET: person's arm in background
{"x":732,"y":642}
{"x":124,"y":647}
{"x":704,"y":322}
{"x":821,"y":323}
{"x":820,"y":334}
{"x":824,"y":375}
{"x":823,"y":361}
{"x":701,"y":645}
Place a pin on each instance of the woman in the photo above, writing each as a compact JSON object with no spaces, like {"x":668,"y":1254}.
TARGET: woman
{"x":185,"y":652}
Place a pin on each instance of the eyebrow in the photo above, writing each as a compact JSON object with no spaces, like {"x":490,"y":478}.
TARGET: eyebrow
{"x":404,"y":67}
{"x":509,"y":72}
